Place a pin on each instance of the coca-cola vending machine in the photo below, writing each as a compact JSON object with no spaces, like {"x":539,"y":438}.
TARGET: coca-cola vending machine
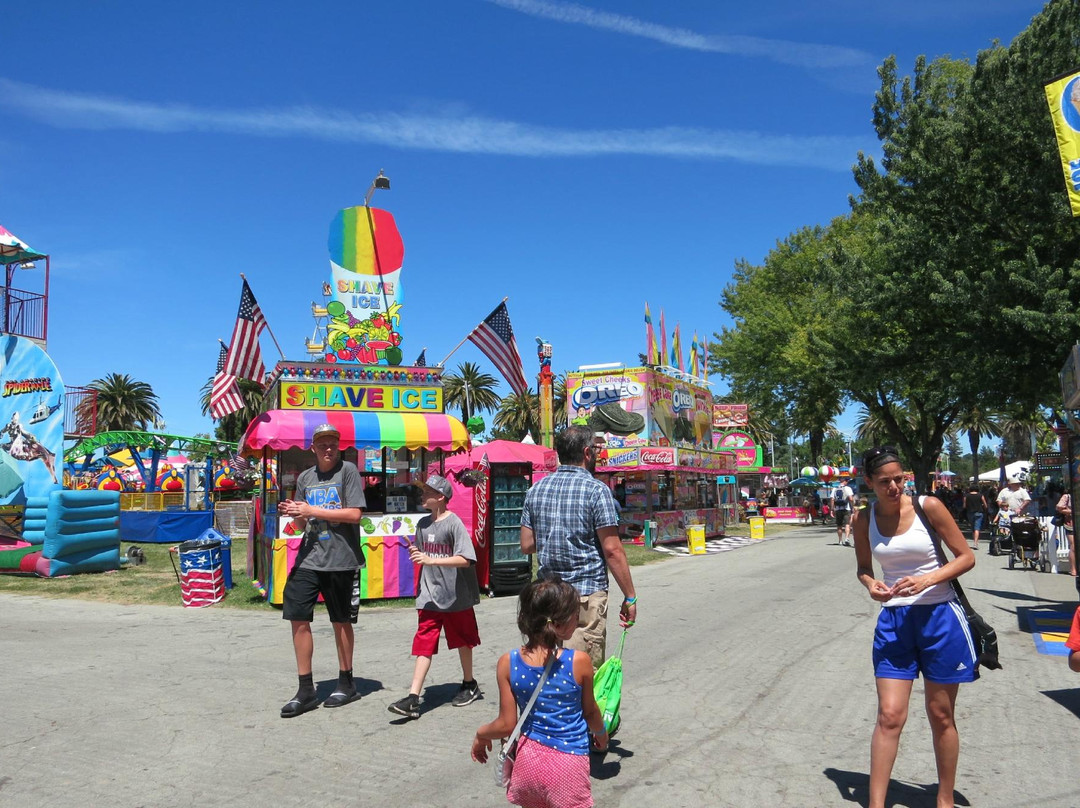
{"x":509,"y":570}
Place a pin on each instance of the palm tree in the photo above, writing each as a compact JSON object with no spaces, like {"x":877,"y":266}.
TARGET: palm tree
{"x":124,"y":403}
{"x":232,"y":427}
{"x":977,"y":424}
{"x":519,"y":415}
{"x":470,"y":390}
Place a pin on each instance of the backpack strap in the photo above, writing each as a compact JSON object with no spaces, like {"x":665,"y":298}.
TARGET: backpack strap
{"x":936,"y":539}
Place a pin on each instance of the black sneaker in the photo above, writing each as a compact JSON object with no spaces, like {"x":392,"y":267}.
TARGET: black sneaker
{"x":408,"y":706}
{"x":469,"y":692}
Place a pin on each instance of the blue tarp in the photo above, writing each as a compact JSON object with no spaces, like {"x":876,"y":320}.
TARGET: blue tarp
{"x":163,"y":527}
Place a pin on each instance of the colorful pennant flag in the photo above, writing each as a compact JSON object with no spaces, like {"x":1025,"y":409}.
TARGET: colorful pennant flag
{"x":495,"y":337}
{"x":652,"y":350}
{"x":705,"y":358}
{"x":676,"y":350}
{"x":694,"y":358}
{"x":663,"y":338}
{"x":1063,"y":97}
{"x":245,"y":358}
{"x":225,"y":397}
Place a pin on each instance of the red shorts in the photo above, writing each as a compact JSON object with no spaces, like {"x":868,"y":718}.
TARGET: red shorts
{"x":460,"y":630}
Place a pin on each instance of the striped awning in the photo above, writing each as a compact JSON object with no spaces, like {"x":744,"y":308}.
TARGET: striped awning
{"x":286,"y":429}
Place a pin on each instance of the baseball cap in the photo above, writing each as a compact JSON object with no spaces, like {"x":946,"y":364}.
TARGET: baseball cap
{"x":1014,"y":478}
{"x":440,"y":484}
{"x":324,"y":429}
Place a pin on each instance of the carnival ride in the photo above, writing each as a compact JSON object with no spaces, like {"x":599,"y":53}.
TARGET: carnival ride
{"x":162,"y":502}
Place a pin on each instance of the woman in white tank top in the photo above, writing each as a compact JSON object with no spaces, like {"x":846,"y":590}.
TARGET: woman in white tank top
{"x":921,"y":627}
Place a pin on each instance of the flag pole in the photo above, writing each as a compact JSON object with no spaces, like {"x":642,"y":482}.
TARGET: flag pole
{"x":443,"y":363}
{"x":268,"y":330}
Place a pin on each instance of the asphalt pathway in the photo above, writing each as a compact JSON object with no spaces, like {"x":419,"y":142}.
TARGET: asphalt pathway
{"x":748,"y":683}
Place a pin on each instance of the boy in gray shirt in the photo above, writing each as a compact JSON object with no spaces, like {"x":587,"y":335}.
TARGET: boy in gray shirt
{"x":448,"y":593}
{"x":329,"y":503}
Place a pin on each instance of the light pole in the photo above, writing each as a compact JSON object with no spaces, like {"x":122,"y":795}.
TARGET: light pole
{"x":381,"y":182}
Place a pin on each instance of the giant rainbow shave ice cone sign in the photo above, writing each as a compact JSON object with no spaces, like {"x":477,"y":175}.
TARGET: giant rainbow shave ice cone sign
{"x":364,"y":309}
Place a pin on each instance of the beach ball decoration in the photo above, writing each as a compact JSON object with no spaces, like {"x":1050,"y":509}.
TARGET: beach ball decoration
{"x":828,"y":472}
{"x":169,"y":480}
{"x":808,"y":471}
{"x":109,"y":480}
{"x":223,"y":479}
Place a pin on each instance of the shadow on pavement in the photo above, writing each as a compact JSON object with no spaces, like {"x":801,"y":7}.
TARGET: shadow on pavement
{"x":1069,"y":699}
{"x":855,"y":787}
{"x":608,"y":765}
{"x":1025,"y":615}
{"x":365,"y":687}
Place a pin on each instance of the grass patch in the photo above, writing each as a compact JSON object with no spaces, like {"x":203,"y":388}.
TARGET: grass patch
{"x":154,"y":583}
{"x":638,"y":555}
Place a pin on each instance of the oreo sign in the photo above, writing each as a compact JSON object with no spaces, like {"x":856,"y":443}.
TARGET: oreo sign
{"x":607,"y":393}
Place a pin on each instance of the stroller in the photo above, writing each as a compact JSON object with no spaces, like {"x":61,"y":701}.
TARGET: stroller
{"x":1026,"y":542}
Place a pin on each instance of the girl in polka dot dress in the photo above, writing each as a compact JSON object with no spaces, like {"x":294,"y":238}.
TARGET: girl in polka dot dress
{"x":552,"y":765}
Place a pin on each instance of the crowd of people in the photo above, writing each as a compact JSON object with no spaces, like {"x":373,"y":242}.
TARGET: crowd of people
{"x":569,"y":521}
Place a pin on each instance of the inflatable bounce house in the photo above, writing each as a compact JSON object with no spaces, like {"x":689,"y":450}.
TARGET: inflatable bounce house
{"x":63,"y":532}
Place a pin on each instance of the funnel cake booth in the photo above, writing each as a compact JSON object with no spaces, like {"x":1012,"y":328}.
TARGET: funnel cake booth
{"x":659,"y":460}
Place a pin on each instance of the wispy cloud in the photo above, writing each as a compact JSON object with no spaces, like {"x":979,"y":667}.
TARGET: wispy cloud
{"x":778,"y":50}
{"x":446,"y":132}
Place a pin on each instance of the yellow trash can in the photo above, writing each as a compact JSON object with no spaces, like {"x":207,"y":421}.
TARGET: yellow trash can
{"x":757,"y":527}
{"x":695,"y":538}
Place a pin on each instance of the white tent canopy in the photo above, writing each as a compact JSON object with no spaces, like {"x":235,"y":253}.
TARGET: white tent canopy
{"x":1022,"y":467}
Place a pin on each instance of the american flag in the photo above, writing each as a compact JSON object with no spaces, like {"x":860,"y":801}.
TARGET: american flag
{"x":245,"y":358}
{"x":421,"y":360}
{"x":495,"y":337}
{"x":202,"y":581}
{"x":225,"y":395}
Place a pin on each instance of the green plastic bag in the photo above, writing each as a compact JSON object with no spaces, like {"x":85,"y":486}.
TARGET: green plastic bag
{"x":607,"y":687}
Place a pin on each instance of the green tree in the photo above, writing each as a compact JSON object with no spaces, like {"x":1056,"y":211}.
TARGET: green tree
{"x":976,"y":423}
{"x":233,"y":426}
{"x":124,"y":403}
{"x":772,"y":355}
{"x":470,"y":390}
{"x":518,"y":415}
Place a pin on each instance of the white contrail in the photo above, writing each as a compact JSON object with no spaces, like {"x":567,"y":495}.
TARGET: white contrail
{"x":778,"y":50}
{"x":466,"y":134}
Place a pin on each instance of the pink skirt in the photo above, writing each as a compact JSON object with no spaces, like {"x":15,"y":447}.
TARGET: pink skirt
{"x":547,"y":778}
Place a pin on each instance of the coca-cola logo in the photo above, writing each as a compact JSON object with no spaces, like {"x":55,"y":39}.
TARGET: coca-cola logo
{"x":657,"y":457}
{"x":480,"y":500}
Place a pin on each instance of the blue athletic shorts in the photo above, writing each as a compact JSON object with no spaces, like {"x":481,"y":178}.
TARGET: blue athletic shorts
{"x":930,"y":639}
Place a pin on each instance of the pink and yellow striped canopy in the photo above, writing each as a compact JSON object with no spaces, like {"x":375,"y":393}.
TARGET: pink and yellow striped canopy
{"x":285,"y":429}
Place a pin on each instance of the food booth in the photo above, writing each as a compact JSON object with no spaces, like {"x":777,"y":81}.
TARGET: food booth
{"x":659,"y":460}
{"x":392,"y":444}
{"x":489,"y":483}
{"x":390,"y":416}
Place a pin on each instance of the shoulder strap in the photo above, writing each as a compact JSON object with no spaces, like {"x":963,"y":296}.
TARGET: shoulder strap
{"x":954,"y":583}
{"x":532,"y":699}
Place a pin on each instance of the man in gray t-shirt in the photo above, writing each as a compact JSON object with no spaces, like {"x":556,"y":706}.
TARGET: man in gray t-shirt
{"x":330,"y":501}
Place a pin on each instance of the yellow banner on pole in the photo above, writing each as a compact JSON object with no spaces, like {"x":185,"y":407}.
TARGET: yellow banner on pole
{"x":1063,"y":96}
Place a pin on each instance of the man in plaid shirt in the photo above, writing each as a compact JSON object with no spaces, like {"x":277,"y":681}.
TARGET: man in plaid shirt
{"x":570,"y":522}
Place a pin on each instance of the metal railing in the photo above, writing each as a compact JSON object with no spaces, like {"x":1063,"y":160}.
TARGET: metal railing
{"x":157,"y":501}
{"x":24,"y":314}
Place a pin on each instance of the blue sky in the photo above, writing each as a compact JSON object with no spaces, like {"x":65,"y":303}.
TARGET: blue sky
{"x":582,"y":159}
